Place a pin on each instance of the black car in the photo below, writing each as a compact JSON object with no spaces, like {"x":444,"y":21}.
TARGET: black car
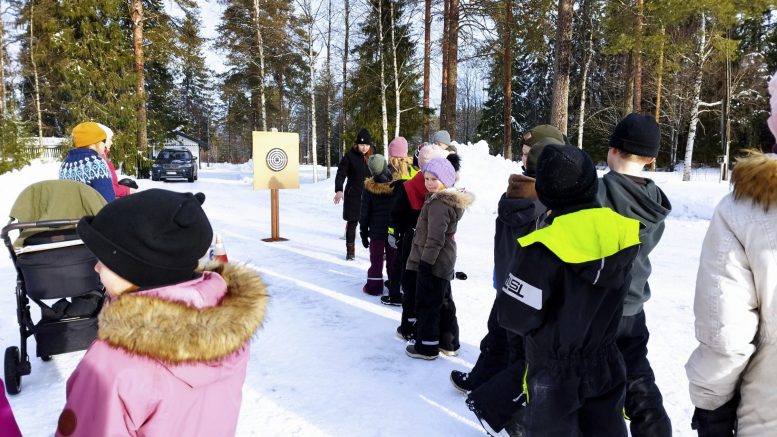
{"x":174,"y":164}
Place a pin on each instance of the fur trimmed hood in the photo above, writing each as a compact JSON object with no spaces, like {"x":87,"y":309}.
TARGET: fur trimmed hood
{"x":379,"y":188}
{"x":454,"y":197}
{"x":176,"y":333}
{"x":755,"y":178}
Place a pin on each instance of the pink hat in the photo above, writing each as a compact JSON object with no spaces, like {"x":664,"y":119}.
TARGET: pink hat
{"x":429,"y":152}
{"x":398,"y":147}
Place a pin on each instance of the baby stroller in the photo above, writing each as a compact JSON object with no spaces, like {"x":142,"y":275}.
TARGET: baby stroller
{"x":52,"y":264}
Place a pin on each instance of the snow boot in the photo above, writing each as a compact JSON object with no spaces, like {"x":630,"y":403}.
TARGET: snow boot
{"x":402,"y":335}
{"x":449,"y":352}
{"x":350,"y":251}
{"x":386,"y":300}
{"x":461,"y":382}
{"x":412,"y":352}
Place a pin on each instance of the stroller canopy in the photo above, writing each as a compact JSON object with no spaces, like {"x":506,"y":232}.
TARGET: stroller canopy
{"x":54,"y":200}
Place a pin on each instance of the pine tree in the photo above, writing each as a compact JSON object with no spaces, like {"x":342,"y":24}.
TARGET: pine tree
{"x":364,"y":105}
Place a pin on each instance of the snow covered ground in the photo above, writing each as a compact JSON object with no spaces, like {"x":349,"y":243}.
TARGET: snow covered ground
{"x":327,"y":361}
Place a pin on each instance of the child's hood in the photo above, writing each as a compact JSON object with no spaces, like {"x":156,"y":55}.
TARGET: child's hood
{"x":148,"y":323}
{"x":646,"y":203}
{"x":378,"y":188}
{"x":454,"y":198}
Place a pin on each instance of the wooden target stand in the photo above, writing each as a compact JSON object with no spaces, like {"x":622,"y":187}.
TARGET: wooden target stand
{"x":276,"y":167}
{"x":275,"y":233}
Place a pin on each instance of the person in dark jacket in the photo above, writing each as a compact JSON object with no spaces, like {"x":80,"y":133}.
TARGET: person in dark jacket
{"x":634,"y":144}
{"x":353,"y":167}
{"x":494,"y":383}
{"x":84,"y":164}
{"x":373,"y":224}
{"x":433,"y":258}
{"x":565,"y":291}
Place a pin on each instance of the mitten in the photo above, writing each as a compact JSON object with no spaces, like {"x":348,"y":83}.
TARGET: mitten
{"x":365,"y":242}
{"x":127,"y":182}
{"x":721,"y":421}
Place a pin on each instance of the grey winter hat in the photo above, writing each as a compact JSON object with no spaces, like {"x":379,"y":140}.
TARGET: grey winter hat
{"x":442,"y":136}
{"x":377,"y":164}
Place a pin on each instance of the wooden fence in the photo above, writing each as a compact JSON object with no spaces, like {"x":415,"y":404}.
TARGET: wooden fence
{"x":45,"y":152}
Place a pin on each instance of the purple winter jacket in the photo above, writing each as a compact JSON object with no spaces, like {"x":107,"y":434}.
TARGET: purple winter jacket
{"x":168,"y":361}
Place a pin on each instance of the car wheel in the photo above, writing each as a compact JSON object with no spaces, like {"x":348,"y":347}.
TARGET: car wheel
{"x":154,"y":178}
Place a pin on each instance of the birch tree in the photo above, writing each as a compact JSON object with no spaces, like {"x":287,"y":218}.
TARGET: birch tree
{"x":703,"y":52}
{"x":140,"y":90}
{"x":260,"y":49}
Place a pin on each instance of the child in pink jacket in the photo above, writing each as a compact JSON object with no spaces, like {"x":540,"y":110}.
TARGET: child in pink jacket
{"x":173,"y":344}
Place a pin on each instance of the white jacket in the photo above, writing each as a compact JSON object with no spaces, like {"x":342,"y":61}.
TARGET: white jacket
{"x":736,"y":302}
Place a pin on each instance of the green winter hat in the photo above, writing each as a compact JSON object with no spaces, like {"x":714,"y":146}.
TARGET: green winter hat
{"x":535,"y":134}
{"x":377,"y":164}
{"x":535,"y":152}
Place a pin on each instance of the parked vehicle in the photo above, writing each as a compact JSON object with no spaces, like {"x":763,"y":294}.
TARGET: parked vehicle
{"x":174,"y":163}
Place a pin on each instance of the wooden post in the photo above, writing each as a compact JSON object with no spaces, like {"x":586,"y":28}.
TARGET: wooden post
{"x":274,"y":217}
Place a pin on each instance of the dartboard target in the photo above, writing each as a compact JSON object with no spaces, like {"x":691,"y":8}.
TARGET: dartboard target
{"x":277,"y":159}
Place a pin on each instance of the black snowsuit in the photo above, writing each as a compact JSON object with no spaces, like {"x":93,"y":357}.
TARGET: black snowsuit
{"x":409,"y":200}
{"x":566,"y":292}
{"x":496,"y":377}
{"x":353,"y":167}
{"x":639,"y":198}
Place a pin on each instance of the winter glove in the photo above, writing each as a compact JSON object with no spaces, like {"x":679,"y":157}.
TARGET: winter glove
{"x":719,"y":422}
{"x":127,"y":182}
{"x":462,"y":276}
{"x":365,"y":242}
{"x":393,"y":239}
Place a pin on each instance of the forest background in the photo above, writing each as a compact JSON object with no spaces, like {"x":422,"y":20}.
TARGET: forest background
{"x":482,"y":69}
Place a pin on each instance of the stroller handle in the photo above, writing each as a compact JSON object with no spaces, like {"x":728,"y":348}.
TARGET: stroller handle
{"x":39,"y":224}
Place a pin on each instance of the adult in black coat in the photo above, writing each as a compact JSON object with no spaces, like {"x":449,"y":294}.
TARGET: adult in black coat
{"x":353,"y":167}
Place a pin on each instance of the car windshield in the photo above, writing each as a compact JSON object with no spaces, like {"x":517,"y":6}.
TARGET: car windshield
{"x":174,"y":154}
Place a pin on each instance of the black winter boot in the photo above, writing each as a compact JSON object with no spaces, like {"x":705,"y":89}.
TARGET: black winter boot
{"x":350,"y":251}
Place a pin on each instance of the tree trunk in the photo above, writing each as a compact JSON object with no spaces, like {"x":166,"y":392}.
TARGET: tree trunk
{"x":140,"y":90}
{"x":2,"y":70}
{"x":507,"y":66}
{"x":345,"y":76}
{"x":628,"y":97}
{"x":673,"y":148}
{"x":696,"y":99}
{"x":312,"y":72}
{"x":588,"y":20}
{"x":444,"y":84}
{"x":328,"y":103}
{"x":383,"y":109}
{"x":397,"y":117}
{"x":35,"y":77}
{"x":452,"y":66}
{"x":659,"y":86}
{"x":281,"y":119}
{"x":260,"y":46}
{"x":636,"y":74}
{"x":559,"y":105}
{"x":427,"y":60}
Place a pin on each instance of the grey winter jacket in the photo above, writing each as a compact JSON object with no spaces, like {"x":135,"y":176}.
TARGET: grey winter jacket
{"x":640,"y":199}
{"x":433,"y":242}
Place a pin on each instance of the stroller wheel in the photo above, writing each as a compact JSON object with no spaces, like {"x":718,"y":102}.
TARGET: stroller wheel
{"x":46,"y":358}
{"x":13,"y":379}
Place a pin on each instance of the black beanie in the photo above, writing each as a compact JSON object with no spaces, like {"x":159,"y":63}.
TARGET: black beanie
{"x":534,"y":154}
{"x":565,"y":177}
{"x":637,"y":134}
{"x":363,"y":137}
{"x":151,"y":238}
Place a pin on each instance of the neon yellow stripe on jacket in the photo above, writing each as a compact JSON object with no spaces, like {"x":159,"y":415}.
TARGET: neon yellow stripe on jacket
{"x":586,"y":235}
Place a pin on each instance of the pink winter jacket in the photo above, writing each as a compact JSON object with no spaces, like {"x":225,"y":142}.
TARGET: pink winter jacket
{"x":169,"y":361}
{"x":119,"y":190}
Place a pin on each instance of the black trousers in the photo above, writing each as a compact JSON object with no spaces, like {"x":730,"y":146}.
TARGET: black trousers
{"x":644,"y":403}
{"x":350,"y":232}
{"x":404,"y":245}
{"x":437,"y":326}
{"x":494,"y":352}
{"x":500,"y":397}
{"x":575,"y":397}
